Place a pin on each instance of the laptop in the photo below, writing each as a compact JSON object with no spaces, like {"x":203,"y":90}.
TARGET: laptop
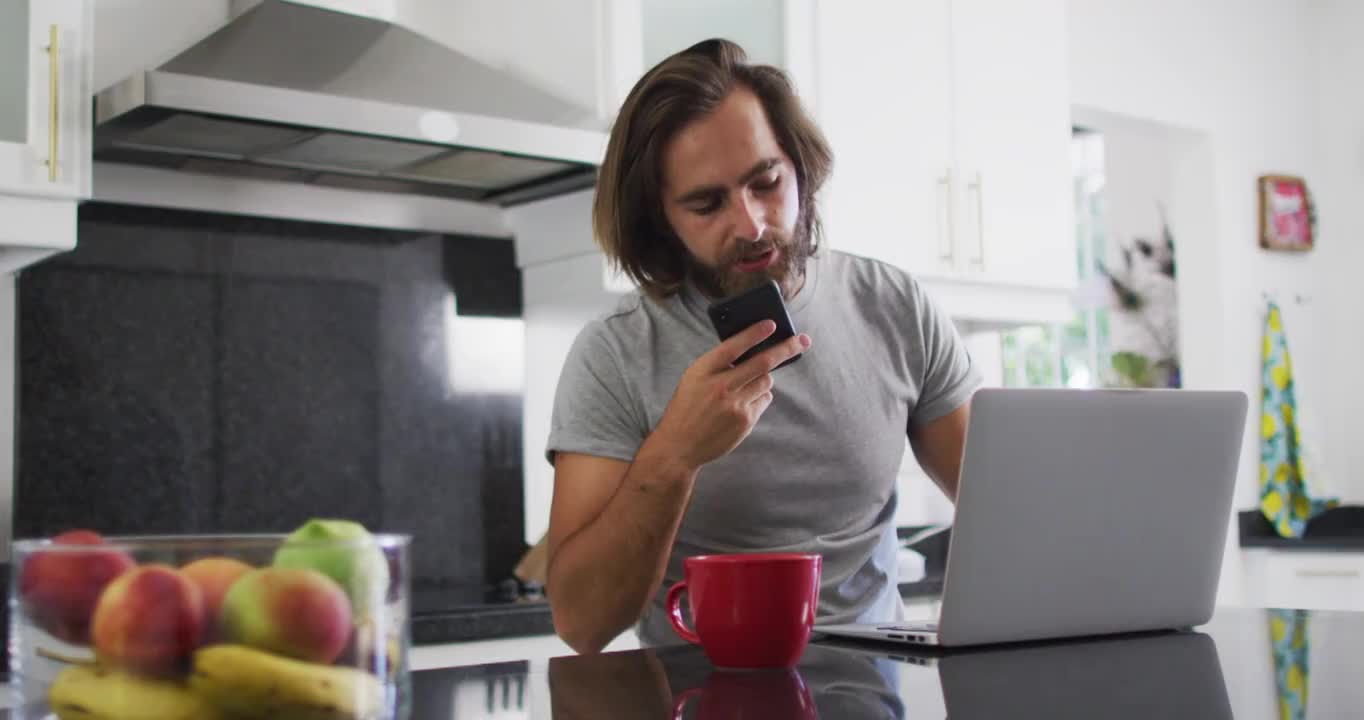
{"x":1083,"y":512}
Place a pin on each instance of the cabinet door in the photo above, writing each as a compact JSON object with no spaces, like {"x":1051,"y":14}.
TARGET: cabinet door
{"x":757,"y":25}
{"x":45,"y":91}
{"x":1013,"y":141}
{"x":884,"y":102}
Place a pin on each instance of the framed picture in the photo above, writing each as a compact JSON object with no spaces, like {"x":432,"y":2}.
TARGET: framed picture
{"x":1286,"y":219}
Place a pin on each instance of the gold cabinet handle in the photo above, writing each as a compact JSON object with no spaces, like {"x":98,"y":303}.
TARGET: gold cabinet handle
{"x":53,"y":100}
{"x":946,"y":253}
{"x":978,"y":187}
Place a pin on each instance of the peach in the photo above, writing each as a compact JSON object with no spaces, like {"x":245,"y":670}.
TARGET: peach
{"x":60,"y":588}
{"x":149,"y":620}
{"x":295,"y":612}
{"x":214,"y":575}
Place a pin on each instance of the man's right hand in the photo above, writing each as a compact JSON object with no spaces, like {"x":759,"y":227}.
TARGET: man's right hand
{"x":716,"y":403}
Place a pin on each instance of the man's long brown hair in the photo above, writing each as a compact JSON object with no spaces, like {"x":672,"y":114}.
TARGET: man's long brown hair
{"x":627,"y":213}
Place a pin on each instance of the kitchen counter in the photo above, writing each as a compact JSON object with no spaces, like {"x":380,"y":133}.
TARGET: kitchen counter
{"x":1221,"y":670}
{"x":463,"y":613}
{"x":494,"y":619}
{"x":490,"y":621}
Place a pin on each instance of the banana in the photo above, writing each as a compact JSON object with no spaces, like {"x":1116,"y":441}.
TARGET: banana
{"x":250,"y":683}
{"x":87,"y":692}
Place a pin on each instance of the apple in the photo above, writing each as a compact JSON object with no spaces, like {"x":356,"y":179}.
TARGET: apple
{"x":295,"y":612}
{"x":59,"y":588}
{"x":345,"y":552}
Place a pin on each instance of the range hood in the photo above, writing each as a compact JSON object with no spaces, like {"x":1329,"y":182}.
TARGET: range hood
{"x":290,"y":91}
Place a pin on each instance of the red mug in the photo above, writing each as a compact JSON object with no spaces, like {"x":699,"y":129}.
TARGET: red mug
{"x":750,"y":611}
{"x":777,"y":693}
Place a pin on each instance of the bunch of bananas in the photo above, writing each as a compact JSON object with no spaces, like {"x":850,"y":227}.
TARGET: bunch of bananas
{"x":228,"y":682}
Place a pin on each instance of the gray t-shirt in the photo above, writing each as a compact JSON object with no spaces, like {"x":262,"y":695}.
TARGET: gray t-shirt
{"x":817,"y":474}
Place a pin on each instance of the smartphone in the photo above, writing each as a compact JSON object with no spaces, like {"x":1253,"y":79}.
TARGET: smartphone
{"x":733,"y":315}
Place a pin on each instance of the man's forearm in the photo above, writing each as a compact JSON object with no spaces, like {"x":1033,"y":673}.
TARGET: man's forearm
{"x":602,"y":577}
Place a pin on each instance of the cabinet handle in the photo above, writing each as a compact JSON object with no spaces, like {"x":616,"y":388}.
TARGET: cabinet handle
{"x":945,"y":233}
{"x":977,"y":186}
{"x":53,"y":98}
{"x":1326,"y":573}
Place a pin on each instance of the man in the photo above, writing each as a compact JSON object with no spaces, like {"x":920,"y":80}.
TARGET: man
{"x":662,"y":449}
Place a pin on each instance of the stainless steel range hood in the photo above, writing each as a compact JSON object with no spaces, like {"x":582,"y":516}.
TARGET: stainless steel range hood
{"x":293,"y":92}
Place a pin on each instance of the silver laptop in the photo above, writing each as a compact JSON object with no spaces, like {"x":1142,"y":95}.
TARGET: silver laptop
{"x":1084,"y":512}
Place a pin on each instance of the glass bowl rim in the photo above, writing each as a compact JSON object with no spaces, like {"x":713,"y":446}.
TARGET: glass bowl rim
{"x":207,"y":541}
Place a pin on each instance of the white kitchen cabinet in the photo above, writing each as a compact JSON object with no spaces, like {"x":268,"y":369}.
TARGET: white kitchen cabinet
{"x":950,"y":125}
{"x":669,"y":26}
{"x":1012,"y":119}
{"x":883,"y":102}
{"x":1307,"y":580}
{"x":45,"y":90}
{"x":772,"y":32}
{"x":45,"y":126}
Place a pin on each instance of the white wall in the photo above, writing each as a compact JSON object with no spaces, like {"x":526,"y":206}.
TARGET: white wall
{"x":563,"y":287}
{"x":1231,"y":78}
{"x":1338,"y":45}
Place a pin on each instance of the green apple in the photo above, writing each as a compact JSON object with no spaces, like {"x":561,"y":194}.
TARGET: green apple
{"x":345,"y":552}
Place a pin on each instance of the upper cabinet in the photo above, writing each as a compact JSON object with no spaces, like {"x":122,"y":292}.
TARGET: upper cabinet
{"x":950,"y":125}
{"x":45,"y":91}
{"x":45,"y":126}
{"x":1013,"y":134}
{"x":883,"y":99}
{"x":669,"y":26}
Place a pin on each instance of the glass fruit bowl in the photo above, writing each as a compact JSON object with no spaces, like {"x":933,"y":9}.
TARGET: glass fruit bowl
{"x":311,"y":624}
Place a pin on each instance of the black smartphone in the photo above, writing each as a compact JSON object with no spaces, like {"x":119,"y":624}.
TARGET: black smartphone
{"x":735,"y":314}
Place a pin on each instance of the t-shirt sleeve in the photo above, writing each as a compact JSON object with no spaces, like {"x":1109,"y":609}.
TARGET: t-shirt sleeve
{"x":949,"y":375}
{"x":593,"y":414}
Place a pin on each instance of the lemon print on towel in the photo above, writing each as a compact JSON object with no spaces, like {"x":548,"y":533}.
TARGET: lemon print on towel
{"x":1284,"y":499}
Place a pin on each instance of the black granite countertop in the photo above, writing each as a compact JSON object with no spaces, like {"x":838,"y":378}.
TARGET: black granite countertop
{"x":1227,"y":668}
{"x":491,"y":621}
{"x":1238,"y":665}
{"x":463,"y":613}
{"x":495,"y":620}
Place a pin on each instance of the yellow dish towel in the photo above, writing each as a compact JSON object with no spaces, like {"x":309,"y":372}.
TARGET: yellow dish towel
{"x":1283,"y":492}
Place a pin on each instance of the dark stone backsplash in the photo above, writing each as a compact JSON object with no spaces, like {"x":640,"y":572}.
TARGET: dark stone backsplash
{"x":191,"y":372}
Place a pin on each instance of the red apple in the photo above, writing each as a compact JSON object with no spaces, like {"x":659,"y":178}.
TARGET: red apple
{"x":149,"y":620}
{"x":289,"y":611}
{"x":59,"y":588}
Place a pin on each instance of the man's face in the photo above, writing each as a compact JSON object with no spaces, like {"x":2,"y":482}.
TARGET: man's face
{"x":730,"y":193}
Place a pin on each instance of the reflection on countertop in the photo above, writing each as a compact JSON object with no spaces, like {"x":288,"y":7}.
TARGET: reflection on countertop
{"x":1244,"y":663}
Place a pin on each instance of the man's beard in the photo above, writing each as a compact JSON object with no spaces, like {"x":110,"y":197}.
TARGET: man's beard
{"x":728,"y":280}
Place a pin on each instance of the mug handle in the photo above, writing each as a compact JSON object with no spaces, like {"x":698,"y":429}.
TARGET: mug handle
{"x":674,"y":603}
{"x":680,"y":704}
